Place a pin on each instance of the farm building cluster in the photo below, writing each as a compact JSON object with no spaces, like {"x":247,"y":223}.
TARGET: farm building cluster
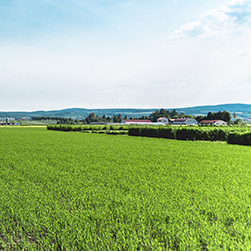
{"x":179,"y":121}
{"x":165,"y":121}
{"x":160,"y":121}
{"x":9,"y":121}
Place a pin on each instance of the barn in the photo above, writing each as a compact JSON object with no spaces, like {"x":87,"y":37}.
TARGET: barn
{"x":163,"y":120}
{"x":135,"y":121}
{"x":185,"y":121}
{"x":213,"y":122}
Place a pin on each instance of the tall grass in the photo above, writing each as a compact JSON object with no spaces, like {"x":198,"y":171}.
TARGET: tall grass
{"x":79,"y":191}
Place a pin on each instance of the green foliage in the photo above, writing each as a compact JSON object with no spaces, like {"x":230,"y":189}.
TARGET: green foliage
{"x":168,"y":114}
{"x":240,"y":138}
{"x":74,"y":191}
{"x":219,"y":133}
{"x":237,"y":134}
{"x":225,"y":116}
{"x":107,"y":129}
{"x":152,"y":131}
{"x":166,"y":132}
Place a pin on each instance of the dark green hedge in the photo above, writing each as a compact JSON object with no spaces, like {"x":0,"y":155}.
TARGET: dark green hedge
{"x":215,"y":134}
{"x":153,"y":131}
{"x":68,"y":128}
{"x":240,"y":138}
{"x":180,"y":133}
{"x":231,"y":135}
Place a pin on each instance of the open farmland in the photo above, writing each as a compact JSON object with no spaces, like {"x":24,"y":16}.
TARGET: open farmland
{"x":78,"y":191}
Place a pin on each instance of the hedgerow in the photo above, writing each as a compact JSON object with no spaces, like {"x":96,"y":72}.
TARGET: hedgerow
{"x":238,"y":135}
{"x":192,"y":133}
{"x":86,"y":127}
{"x":240,"y":138}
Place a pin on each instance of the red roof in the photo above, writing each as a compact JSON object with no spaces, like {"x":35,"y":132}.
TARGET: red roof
{"x":137,"y":120}
{"x":181,"y":120}
{"x":209,"y":121}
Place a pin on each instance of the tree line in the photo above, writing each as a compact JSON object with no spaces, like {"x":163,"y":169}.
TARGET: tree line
{"x":173,"y":114}
{"x":226,"y":116}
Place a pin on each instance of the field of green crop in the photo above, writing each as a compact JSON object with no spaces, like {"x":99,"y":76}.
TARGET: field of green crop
{"x":78,"y":191}
{"x":38,"y":122}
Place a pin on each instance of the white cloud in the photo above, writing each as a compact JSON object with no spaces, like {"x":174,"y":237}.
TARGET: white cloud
{"x":218,"y":22}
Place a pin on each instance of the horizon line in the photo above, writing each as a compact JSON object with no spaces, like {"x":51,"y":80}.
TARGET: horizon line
{"x":122,"y":108}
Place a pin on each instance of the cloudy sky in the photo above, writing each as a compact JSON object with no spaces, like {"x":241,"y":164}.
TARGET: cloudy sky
{"x":123,"y":53}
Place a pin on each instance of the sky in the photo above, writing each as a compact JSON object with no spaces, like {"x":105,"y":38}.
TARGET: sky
{"x":57,"y":54}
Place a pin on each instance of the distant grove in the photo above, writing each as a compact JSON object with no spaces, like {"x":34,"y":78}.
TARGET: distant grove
{"x":92,"y":117}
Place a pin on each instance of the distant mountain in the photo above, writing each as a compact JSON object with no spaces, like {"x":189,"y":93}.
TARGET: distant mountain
{"x":242,"y":110}
{"x":79,"y":113}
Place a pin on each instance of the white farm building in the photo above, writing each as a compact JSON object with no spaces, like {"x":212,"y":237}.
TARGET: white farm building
{"x":163,"y":120}
{"x":185,"y":121}
{"x":135,"y":121}
{"x":213,"y":122}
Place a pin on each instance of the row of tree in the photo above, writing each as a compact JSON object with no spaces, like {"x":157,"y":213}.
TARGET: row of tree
{"x":226,"y":116}
{"x":92,"y":117}
{"x":168,"y":114}
{"x":47,"y":118}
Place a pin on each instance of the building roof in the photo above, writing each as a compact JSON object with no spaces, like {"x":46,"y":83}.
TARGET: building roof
{"x":181,"y":120}
{"x":161,"y":118}
{"x":209,"y":121}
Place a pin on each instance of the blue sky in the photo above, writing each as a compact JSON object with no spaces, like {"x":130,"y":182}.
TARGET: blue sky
{"x":101,"y":54}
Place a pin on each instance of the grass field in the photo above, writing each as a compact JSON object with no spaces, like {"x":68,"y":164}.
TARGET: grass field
{"x":77,"y":191}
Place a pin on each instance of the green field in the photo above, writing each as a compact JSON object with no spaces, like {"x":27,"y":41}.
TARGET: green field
{"x":79,"y":191}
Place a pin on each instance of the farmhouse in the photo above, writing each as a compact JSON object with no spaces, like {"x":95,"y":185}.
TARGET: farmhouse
{"x":135,"y":121}
{"x":213,"y":122}
{"x":163,"y":120}
{"x":184,"y":121}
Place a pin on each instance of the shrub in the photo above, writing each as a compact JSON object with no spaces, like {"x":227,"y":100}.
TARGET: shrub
{"x":240,"y":138}
{"x":134,"y":131}
{"x":166,"y":132}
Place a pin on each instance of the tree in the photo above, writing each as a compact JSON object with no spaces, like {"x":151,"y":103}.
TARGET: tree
{"x":162,"y":111}
{"x":115,"y":119}
{"x":90,"y":118}
{"x":174,"y":113}
{"x":200,"y":118}
{"x":235,"y":115}
{"x":210,"y":116}
{"x":226,"y":116}
{"x":154,"y":116}
{"x":120,"y":118}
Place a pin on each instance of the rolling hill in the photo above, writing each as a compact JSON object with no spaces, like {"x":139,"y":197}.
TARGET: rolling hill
{"x":242,"y":110}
